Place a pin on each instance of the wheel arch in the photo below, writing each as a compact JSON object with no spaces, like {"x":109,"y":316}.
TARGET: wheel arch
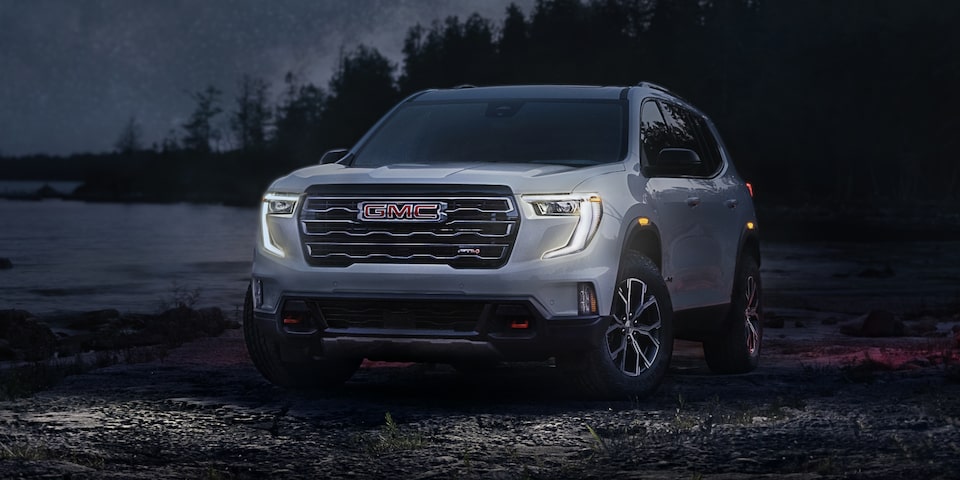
{"x":645,"y":240}
{"x":749,"y":245}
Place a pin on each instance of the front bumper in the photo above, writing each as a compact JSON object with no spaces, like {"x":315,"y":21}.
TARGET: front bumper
{"x":399,"y":311}
{"x":434,"y":328}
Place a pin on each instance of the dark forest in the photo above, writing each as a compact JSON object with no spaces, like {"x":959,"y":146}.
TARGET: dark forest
{"x":819,"y":101}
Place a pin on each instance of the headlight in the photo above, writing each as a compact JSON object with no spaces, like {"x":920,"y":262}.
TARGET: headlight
{"x":281,"y":203}
{"x":275,"y":205}
{"x":586,"y":206}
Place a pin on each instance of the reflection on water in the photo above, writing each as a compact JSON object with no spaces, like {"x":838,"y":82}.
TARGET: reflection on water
{"x":25,"y":187}
{"x":70,"y":256}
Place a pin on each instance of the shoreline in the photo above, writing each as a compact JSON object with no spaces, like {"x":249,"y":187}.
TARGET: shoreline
{"x":779,"y":222}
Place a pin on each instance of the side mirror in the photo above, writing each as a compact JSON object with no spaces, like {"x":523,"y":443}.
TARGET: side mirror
{"x":673,"y":162}
{"x":677,"y":158}
{"x":333,"y":156}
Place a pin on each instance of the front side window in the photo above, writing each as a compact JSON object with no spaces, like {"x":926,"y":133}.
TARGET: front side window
{"x":575,"y":133}
{"x":666,"y":125}
{"x":653,"y":132}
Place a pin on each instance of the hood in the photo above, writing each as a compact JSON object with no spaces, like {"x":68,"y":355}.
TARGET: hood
{"x":521,"y":178}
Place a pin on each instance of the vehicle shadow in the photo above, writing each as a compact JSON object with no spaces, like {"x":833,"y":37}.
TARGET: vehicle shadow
{"x":541,"y":388}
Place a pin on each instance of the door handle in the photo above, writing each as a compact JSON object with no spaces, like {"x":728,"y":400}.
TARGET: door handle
{"x":693,"y":201}
{"x":732,"y":203}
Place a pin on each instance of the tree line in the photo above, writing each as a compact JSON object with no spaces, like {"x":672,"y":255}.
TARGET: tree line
{"x":819,"y":101}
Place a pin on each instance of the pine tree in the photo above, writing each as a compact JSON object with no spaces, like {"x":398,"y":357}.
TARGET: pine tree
{"x":201,"y":135}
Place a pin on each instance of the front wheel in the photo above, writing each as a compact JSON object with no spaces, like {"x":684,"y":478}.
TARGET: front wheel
{"x":737,"y":350}
{"x":266,"y":357}
{"x":634,"y":353}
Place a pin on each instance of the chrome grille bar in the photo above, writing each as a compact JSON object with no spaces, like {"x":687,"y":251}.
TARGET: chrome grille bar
{"x":477,"y":231}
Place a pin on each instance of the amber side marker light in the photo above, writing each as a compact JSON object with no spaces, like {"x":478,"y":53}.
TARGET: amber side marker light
{"x":751,"y":225}
{"x":643,"y":221}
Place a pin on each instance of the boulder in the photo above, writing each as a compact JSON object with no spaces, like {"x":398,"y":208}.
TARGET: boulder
{"x":94,"y":320}
{"x":876,"y":323}
{"x":6,"y":351}
{"x":924,"y":327}
{"x":184,"y":323}
{"x":26,"y":336}
{"x":772,"y":320}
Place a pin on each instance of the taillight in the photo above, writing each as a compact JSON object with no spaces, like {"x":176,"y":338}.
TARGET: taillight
{"x":750,"y":189}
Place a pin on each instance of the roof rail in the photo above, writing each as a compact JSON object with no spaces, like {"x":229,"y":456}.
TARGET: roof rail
{"x":661,"y":88}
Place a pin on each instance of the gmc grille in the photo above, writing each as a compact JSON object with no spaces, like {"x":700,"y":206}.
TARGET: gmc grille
{"x":478,"y":229}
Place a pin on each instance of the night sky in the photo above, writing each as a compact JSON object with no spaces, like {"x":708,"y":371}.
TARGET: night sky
{"x":73,"y":72}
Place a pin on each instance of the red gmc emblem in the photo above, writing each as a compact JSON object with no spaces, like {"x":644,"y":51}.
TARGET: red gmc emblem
{"x":402,"y":211}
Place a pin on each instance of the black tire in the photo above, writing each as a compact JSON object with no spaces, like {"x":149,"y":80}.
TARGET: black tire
{"x":312,"y":374}
{"x":737,"y":350}
{"x":634,"y":353}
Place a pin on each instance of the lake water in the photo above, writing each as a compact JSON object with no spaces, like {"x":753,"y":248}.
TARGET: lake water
{"x":77,"y":256}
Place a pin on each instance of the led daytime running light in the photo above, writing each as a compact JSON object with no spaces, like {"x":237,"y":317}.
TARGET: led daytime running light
{"x":275,"y":205}
{"x":587,"y":206}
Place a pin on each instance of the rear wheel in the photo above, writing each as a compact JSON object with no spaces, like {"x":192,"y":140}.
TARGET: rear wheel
{"x":634,"y":353}
{"x":309,"y":374}
{"x":738,"y":349}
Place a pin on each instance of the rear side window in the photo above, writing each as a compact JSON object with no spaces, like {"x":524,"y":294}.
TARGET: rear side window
{"x":709,"y":147}
{"x":576,"y":133}
{"x":668,"y":125}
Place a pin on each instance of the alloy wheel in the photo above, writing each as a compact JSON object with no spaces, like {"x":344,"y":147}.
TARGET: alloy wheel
{"x":633,"y":338}
{"x":752,"y":315}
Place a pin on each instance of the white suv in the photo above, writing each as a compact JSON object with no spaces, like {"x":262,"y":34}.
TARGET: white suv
{"x":592,"y":225}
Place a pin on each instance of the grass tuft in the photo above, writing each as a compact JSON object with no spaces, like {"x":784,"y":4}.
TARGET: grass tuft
{"x":22,"y":451}
{"x":392,"y":438}
{"x":599,"y":444}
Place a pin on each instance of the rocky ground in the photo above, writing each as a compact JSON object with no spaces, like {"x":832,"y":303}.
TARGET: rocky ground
{"x":849,"y":408}
{"x":840,"y":394}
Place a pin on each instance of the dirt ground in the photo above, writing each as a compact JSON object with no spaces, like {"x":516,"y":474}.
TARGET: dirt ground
{"x":822,"y":405}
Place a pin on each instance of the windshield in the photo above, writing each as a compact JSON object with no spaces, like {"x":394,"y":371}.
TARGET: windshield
{"x":577,"y":133}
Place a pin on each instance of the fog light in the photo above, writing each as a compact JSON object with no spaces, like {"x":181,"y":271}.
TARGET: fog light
{"x":586,"y":299}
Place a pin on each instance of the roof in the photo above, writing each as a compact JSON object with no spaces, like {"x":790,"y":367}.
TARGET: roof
{"x":577,"y":92}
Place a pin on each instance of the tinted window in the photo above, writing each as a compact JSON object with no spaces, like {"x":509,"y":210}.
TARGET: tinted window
{"x":709,"y":146}
{"x":577,"y":133}
{"x":667,"y":125}
{"x":653,"y":132}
